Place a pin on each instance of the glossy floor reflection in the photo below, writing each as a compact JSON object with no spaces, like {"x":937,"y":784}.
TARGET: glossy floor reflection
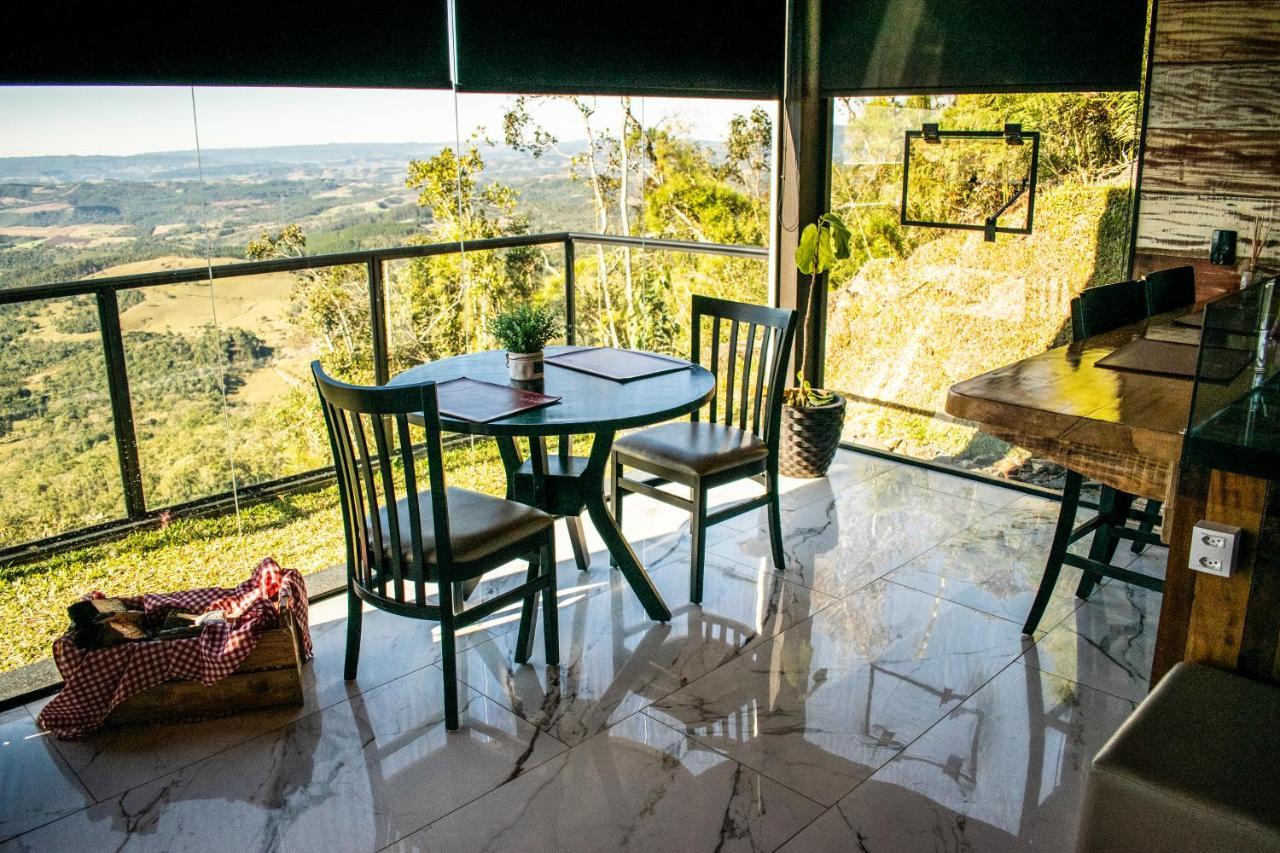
{"x":876,"y":695}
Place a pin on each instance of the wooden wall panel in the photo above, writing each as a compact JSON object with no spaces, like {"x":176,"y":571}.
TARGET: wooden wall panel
{"x":1217,"y":162}
{"x":1214,"y":30}
{"x":1180,"y":223}
{"x":1212,"y":153}
{"x":1215,"y":96}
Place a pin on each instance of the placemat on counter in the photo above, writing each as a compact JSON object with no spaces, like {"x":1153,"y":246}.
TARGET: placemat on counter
{"x":1143,"y":355}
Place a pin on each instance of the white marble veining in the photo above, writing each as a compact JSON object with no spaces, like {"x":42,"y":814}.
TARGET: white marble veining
{"x":822,"y":705}
{"x":638,"y":786}
{"x":995,"y":564}
{"x":1109,"y":641}
{"x":877,"y":695}
{"x":858,"y":534}
{"x":1003,"y":771}
{"x":614,"y":660}
{"x":356,"y":776}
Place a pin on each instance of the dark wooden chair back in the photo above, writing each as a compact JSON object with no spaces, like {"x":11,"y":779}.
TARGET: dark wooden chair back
{"x":1170,"y":289}
{"x":374,"y":457}
{"x":1109,"y":306}
{"x":748,"y":395}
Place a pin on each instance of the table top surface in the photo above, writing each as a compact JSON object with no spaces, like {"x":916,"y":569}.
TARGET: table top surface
{"x":588,"y":403}
{"x":1062,"y":391}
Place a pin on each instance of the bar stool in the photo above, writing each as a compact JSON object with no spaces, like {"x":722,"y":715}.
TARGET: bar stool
{"x":1095,"y":311}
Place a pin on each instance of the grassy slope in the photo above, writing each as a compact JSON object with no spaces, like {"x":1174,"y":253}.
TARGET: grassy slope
{"x":300,"y":531}
{"x":906,"y":330}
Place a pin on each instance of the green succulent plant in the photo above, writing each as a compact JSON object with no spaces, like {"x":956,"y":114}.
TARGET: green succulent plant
{"x":822,"y":243}
{"x":525,"y":328}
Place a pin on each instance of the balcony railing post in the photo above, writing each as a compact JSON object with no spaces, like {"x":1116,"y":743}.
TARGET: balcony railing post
{"x":121,"y":404}
{"x":570,"y":299}
{"x":378,"y":320}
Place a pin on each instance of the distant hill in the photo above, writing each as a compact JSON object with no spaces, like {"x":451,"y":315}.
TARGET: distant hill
{"x":275,"y":161}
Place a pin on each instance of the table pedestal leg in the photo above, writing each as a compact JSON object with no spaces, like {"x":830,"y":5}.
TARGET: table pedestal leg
{"x":619,"y":548}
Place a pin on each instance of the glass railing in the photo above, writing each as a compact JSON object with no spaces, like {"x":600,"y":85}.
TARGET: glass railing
{"x":149,"y":397}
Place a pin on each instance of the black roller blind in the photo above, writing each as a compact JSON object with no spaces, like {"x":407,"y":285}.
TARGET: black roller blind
{"x":288,"y":43}
{"x":958,"y":46}
{"x":693,"y":48}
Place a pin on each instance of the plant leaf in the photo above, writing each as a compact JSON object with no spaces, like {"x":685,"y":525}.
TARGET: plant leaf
{"x":807,"y":249}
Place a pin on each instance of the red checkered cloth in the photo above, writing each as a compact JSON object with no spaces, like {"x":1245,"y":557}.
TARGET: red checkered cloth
{"x":97,"y":680}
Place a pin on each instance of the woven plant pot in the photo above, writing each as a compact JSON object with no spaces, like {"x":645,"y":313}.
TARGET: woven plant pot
{"x":810,"y":438}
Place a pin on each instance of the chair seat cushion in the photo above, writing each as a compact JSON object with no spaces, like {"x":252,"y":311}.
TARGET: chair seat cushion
{"x":696,"y":449}
{"x":479,"y":525}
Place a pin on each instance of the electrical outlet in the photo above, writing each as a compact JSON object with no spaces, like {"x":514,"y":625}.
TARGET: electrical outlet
{"x":1214,"y":548}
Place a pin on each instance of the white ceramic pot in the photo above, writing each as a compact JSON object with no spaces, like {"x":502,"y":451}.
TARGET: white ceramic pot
{"x":524,"y":366}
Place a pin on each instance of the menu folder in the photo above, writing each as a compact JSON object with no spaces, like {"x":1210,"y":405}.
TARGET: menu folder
{"x":480,"y":402}
{"x":620,"y":365}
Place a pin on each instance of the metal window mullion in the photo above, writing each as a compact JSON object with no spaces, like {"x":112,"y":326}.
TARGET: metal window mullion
{"x":121,"y":403}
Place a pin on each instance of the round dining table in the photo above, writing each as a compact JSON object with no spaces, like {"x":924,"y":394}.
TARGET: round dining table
{"x":588,"y":405}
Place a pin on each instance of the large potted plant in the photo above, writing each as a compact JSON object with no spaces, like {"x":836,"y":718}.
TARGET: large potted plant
{"x":813,"y":418}
{"x":523,"y":331}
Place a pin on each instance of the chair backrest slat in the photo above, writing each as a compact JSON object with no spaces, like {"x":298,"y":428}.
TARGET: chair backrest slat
{"x":746,"y":375}
{"x":376,"y":555}
{"x":733,"y":363}
{"x":766,"y":341}
{"x":394,"y":539}
{"x":715,"y":364}
{"x":777,"y":334}
{"x":343,"y":472}
{"x":1100,"y":309}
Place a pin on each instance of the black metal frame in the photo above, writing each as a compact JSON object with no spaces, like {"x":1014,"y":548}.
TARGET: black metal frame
{"x":104,"y":290}
{"x":990,"y":228}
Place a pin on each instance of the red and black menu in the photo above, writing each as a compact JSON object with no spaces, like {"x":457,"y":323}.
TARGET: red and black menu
{"x":481,"y":402}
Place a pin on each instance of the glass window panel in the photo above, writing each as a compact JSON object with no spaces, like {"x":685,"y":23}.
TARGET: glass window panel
{"x":58,"y":462}
{"x":917,"y":309}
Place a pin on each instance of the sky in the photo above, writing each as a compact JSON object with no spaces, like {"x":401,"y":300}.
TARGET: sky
{"x":125,"y":120}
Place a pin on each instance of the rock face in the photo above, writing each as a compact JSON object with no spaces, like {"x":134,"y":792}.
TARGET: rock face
{"x":903,"y":331}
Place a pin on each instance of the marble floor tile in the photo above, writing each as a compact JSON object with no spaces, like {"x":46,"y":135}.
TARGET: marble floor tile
{"x":951,"y":484}
{"x":615,"y":660}
{"x":995,"y":564}
{"x":858,"y":534}
{"x":641,"y":786}
{"x":823,"y":704}
{"x":1002,"y":772}
{"x":1108,"y":642}
{"x":36,"y":785}
{"x":111,"y":761}
{"x":356,"y":776}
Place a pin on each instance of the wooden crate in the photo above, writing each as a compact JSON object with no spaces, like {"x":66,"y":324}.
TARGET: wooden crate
{"x":271,"y":675}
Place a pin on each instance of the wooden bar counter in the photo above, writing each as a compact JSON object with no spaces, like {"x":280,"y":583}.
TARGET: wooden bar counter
{"x":1125,"y":430}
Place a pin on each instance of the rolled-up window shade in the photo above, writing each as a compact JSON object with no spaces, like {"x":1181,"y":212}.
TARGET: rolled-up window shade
{"x":287,"y":43}
{"x":691,"y":48}
{"x":957,"y":46}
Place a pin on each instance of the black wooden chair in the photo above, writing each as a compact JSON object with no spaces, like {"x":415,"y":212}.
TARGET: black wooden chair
{"x":1170,"y":289}
{"x":446,"y":536}
{"x":732,"y":443}
{"x":1095,"y":311}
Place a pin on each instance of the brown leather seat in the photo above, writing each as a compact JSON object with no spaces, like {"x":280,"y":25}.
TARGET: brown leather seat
{"x":697,"y":449}
{"x":479,"y":525}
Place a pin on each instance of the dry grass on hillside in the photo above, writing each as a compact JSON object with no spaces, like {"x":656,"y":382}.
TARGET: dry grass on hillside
{"x":904,"y":331}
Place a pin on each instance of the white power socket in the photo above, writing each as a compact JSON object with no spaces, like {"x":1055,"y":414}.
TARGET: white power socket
{"x":1214,"y":548}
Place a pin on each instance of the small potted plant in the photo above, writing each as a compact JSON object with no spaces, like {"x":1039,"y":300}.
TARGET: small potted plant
{"x":813,"y":418}
{"x":523,"y":331}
